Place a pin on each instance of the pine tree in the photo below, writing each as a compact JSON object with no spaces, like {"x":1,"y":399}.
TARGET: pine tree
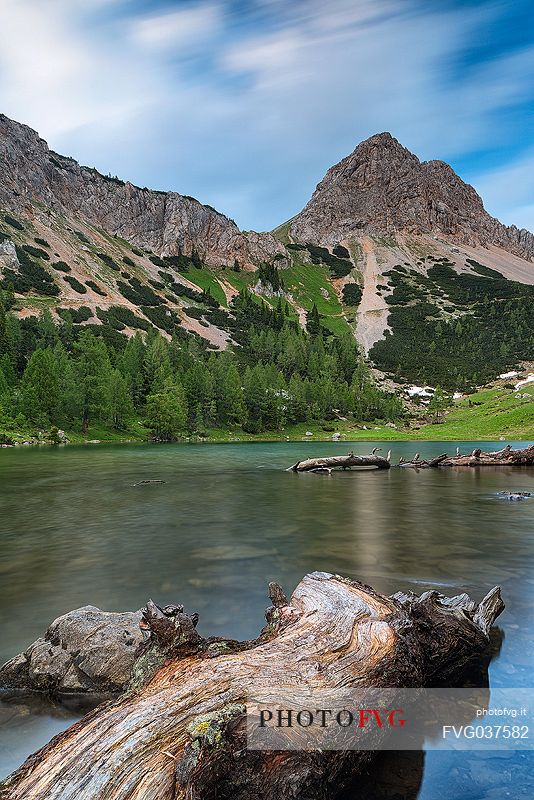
{"x":130,"y":363}
{"x":198,"y":386}
{"x":166,"y":412}
{"x":121,"y":408}
{"x":40,"y":388}
{"x":47,"y":331}
{"x":157,"y":363}
{"x":3,"y":336}
{"x":313,"y":321}
{"x":232,"y":408}
{"x":93,"y":369}
{"x":438,"y":403}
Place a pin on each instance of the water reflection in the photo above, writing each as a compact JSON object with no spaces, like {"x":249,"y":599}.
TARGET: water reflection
{"x":74,"y":530}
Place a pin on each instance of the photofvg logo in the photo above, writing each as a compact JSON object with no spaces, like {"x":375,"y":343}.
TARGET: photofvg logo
{"x":345,"y":718}
{"x":390,"y":719}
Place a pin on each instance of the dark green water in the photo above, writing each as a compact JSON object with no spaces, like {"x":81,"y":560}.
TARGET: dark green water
{"x":75,"y":531}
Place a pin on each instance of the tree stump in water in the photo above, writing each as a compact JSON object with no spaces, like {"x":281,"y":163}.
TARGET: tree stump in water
{"x":179,"y":732}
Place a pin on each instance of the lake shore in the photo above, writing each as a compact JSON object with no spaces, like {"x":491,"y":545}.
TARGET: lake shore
{"x":489,"y":415}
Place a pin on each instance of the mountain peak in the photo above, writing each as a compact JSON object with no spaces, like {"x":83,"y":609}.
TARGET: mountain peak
{"x":382,"y":188}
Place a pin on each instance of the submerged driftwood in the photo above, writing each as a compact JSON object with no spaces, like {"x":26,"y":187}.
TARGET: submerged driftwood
{"x":179,"y":732}
{"x":477,"y":458}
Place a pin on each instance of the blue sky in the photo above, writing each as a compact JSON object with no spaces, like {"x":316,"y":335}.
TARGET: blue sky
{"x":245,"y":105}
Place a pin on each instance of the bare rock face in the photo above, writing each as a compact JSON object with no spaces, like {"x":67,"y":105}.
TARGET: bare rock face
{"x":166,"y":222}
{"x":8,"y":254}
{"x":381,"y":188}
{"x":85,"y":651}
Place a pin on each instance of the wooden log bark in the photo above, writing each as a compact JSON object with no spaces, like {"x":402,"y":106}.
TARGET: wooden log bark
{"x":340,"y":462}
{"x":477,"y":458}
{"x":418,"y":463}
{"x":179,"y":732}
{"x":505,"y":457}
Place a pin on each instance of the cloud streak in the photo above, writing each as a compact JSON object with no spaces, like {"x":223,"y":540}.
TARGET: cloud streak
{"x":246,"y":105}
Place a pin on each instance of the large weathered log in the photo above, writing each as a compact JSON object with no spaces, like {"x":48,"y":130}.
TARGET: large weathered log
{"x":179,"y":732}
{"x":340,"y":462}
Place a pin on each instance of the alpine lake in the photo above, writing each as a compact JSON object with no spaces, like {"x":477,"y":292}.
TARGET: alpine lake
{"x":76,"y":530}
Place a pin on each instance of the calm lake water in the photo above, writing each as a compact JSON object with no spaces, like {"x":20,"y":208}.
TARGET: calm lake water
{"x":75,"y":531}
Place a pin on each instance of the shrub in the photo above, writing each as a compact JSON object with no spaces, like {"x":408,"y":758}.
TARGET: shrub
{"x":109,"y":261}
{"x":110,"y":320}
{"x":82,"y":237}
{"x":30,"y":276}
{"x":36,"y":252}
{"x":218,"y":317}
{"x":76,"y":285}
{"x":137,"y":252}
{"x":126,"y":316}
{"x":162,"y":317}
{"x":40,"y":241}
{"x":252,"y":426}
{"x":138,"y":293}
{"x":128,"y":262}
{"x":75,"y":315}
{"x":339,"y":267}
{"x":341,"y":252}
{"x":159,"y":262}
{"x":194,"y":312}
{"x":92,"y":285}
{"x":352,"y":294}
{"x":13,"y":222}
{"x":185,"y":291}
{"x":113,"y":338}
{"x":126,"y":275}
{"x":487,"y":272}
{"x":61,"y":266}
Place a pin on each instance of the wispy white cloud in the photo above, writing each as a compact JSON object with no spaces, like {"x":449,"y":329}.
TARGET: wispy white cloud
{"x":56,"y":79}
{"x":186,"y":28}
{"x":248,"y":116}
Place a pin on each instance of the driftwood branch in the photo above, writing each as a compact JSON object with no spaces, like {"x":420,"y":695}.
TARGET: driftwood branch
{"x":477,"y":458}
{"x":328,"y":463}
{"x":179,"y":732}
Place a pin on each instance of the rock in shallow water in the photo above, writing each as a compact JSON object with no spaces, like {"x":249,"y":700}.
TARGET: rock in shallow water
{"x":84,"y":651}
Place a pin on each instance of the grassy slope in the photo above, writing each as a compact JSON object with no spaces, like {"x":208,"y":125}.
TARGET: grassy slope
{"x":305,"y":282}
{"x":205,"y":279}
{"x":500,"y":413}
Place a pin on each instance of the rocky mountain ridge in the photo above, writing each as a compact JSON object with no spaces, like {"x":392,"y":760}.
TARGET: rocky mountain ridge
{"x":116,"y":255}
{"x":382,"y":189}
{"x":33,"y":176}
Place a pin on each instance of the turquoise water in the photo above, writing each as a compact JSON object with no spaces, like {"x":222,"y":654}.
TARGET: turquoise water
{"x":74,"y":530}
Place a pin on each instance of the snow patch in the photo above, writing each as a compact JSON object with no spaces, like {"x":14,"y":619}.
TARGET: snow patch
{"x":420,"y":391}
{"x":530,"y":379}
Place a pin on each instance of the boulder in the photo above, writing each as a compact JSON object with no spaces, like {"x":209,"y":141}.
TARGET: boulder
{"x":85,"y":651}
